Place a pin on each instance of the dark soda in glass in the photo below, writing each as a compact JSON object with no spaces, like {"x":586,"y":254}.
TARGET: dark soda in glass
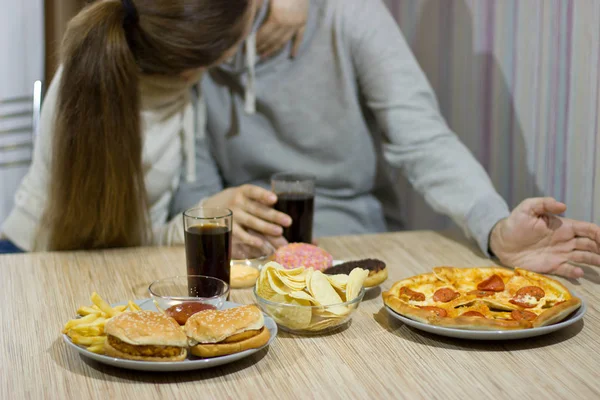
{"x":300,"y":207}
{"x":208,"y":253}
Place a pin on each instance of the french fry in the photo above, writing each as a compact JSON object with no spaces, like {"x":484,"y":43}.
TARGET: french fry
{"x":79,"y":321}
{"x":86,"y":331}
{"x":103,"y":305}
{"x":88,"y":340}
{"x":99,"y":349}
{"x":98,"y":323}
{"x":83,"y":311}
{"x":133,"y":307}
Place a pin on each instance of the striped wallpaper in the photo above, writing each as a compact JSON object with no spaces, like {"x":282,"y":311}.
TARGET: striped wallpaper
{"x":519,"y":82}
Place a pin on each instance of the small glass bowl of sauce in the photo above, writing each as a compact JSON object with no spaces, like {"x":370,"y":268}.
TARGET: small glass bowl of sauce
{"x":182,"y":296}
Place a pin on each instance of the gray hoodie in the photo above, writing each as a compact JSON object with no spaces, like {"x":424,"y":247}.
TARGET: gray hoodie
{"x":350,"y":106}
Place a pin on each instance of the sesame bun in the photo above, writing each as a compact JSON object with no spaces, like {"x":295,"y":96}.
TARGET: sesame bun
{"x":222,"y":349}
{"x":213,"y":326}
{"x":148,"y":329}
{"x":306,"y":255}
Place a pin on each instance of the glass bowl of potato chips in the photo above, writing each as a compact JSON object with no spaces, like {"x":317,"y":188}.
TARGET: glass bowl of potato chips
{"x":306,"y":301}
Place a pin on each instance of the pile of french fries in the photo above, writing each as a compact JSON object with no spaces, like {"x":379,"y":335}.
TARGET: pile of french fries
{"x":88,"y":329}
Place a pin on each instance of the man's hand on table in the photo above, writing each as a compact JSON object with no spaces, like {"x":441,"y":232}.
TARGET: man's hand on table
{"x":534,"y":237}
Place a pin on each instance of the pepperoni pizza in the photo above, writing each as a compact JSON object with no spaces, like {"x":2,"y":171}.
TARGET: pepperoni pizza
{"x":485,"y":298}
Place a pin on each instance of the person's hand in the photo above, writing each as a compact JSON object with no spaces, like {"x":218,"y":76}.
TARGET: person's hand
{"x":286,"y":20}
{"x":534,"y":237}
{"x":252,"y":208}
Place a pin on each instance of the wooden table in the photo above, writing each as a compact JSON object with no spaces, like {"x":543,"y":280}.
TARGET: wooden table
{"x":375,"y":357}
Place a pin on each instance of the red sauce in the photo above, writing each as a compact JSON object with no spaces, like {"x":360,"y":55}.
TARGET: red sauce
{"x":181,"y":312}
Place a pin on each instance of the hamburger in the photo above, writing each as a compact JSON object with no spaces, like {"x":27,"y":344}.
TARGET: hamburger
{"x":145,"y":336}
{"x":213,"y":333}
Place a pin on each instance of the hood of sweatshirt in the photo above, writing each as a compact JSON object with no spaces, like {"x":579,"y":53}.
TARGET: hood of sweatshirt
{"x":246,"y":63}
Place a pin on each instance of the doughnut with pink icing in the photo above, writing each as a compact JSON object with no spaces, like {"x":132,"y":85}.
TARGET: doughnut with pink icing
{"x":306,"y":255}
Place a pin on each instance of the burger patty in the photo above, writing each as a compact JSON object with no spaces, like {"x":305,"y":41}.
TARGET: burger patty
{"x":242,"y":336}
{"x":370,"y":264}
{"x":144,"y":351}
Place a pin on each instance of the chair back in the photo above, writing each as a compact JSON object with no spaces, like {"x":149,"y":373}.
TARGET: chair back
{"x":19,"y":126}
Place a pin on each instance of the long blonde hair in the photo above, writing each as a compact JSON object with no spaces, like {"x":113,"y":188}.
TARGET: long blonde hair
{"x":97,"y":197}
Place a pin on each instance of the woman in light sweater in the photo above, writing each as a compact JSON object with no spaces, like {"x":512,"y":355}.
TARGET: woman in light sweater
{"x":120,"y":129}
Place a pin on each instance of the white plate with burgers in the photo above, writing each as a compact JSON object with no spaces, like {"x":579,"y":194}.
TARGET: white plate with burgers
{"x":142,"y":340}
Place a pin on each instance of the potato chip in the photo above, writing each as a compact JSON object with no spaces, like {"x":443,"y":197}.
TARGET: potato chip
{"x":325,"y":294}
{"x":291,"y":317}
{"x":263,"y":287}
{"x":293,"y":272}
{"x":307,"y":287}
{"x":288,"y":281}
{"x":356,"y":279}
{"x":276,"y":284}
{"x":308,"y":276}
{"x":326,"y":312}
{"x":302,"y":295}
{"x":338,"y":281}
{"x":323,"y":324}
{"x":272,"y":264}
{"x":322,"y":291}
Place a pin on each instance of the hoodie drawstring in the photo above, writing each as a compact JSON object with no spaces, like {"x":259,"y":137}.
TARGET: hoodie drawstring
{"x":190,"y":137}
{"x":199,"y":111}
{"x":250,"y":106}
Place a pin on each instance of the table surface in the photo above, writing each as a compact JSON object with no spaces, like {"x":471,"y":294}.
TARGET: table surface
{"x":375,"y":357}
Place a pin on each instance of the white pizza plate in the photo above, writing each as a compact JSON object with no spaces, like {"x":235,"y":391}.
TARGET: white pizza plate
{"x":186,"y":365}
{"x":493,"y":335}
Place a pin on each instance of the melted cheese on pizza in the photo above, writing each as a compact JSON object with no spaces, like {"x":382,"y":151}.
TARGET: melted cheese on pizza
{"x":495,"y":305}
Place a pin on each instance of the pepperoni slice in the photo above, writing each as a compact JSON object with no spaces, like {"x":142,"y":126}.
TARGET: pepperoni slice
{"x":494,"y":284}
{"x":440,"y":312}
{"x":445,"y":295}
{"x":481,"y":293}
{"x":472,"y":314}
{"x":519,"y":315}
{"x":520,"y":301}
{"x":533,"y":291}
{"x":412,"y":295}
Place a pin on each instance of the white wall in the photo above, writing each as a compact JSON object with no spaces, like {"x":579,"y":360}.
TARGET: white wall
{"x":21,"y":63}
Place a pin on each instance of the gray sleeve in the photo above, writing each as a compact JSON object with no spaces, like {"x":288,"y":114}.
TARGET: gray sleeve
{"x":417,"y":139}
{"x":207,"y":180}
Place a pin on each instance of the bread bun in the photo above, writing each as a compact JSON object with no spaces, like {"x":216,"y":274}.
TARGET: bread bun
{"x":144,"y":336}
{"x":212,"y":326}
{"x":223,"y":349}
{"x":146,"y":328}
